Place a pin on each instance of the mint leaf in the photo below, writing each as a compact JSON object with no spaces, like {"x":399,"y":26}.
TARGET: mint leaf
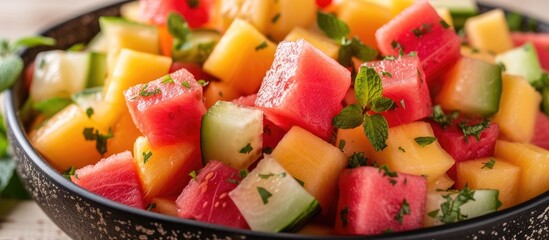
{"x":50,"y":107}
{"x":367,"y":86}
{"x":11,"y":67}
{"x":376,"y":129}
{"x":349,"y":117}
{"x":424,"y":141}
{"x":264,"y":194}
{"x":331,"y":26}
{"x":362,"y":51}
{"x":383,"y":104}
{"x":178,"y":27}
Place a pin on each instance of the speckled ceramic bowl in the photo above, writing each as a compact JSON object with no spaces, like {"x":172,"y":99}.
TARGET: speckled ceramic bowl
{"x":83,"y":215}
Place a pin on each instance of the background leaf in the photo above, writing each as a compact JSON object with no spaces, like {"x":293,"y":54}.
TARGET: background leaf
{"x":331,"y":26}
{"x":34,"y":41}
{"x":10,"y":69}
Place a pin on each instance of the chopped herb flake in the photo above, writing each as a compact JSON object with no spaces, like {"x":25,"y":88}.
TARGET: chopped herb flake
{"x":246,"y":149}
{"x":424,"y":141}
{"x":341,"y":145}
{"x":388,"y":173}
{"x":268,"y":175}
{"x":267,"y":150}
{"x":203,"y":83}
{"x":151,"y":206}
{"x":261,"y":46}
{"x":300,"y":182}
{"x":146,"y":93}
{"x":473,"y":130}
{"x":490,"y":164}
{"x":344,"y":216}
{"x":167,"y":79}
{"x":275,"y":18}
{"x":404,"y":210}
{"x":186,"y":84}
{"x":193,"y":3}
{"x":264,"y":194}
{"x":357,"y":160}
{"x":193,"y":175}
{"x":451,"y":208}
{"x":444,"y":24}
{"x":434,"y":213}
{"x":387,"y":74}
{"x":146,"y":156}
{"x":91,"y":134}
{"x":89,"y":112}
{"x":441,"y":118}
{"x":396,"y":45}
{"x":422,"y":30}
{"x":243,"y":173}
{"x":401,"y":149}
{"x":70,"y":172}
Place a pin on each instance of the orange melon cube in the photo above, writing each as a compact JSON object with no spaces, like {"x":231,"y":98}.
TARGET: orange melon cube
{"x":355,"y":141}
{"x":216,"y":91}
{"x":489,"y":31}
{"x":124,"y":135}
{"x":356,"y":13}
{"x":518,"y":107}
{"x":503,"y":176}
{"x":323,"y":43}
{"x":164,"y":170}
{"x":164,"y":205}
{"x":404,"y":154}
{"x":241,"y":49}
{"x":442,"y":183}
{"x":61,"y":140}
{"x":534,"y":166}
{"x":313,"y":161}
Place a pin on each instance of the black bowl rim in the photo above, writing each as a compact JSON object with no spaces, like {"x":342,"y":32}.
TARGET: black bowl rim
{"x":15,"y":125}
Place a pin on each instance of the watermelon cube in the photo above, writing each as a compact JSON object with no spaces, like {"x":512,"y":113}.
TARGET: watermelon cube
{"x":297,"y":91}
{"x":375,"y":200}
{"x":540,"y":41}
{"x":168,"y":110}
{"x":206,"y":198}
{"x":404,"y":83}
{"x":461,"y":148}
{"x":541,"y":128}
{"x":115,"y":178}
{"x":420,"y":29}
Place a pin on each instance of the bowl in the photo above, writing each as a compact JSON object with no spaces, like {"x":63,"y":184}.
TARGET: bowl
{"x":84,"y":215}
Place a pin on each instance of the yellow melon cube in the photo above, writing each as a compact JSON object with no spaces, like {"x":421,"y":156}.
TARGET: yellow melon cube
{"x":489,"y":31}
{"x":164,"y":171}
{"x":503,"y":177}
{"x":442,"y":183}
{"x":323,"y":43}
{"x":444,"y":13}
{"x":131,"y":68}
{"x":364,"y":18}
{"x":404,"y":154}
{"x":313,"y":161}
{"x":288,"y":14}
{"x":217,"y":91}
{"x":518,"y":107}
{"x":241,"y":49}
{"x":355,"y":141}
{"x":478,"y":54}
{"x":534,"y":167}
{"x":61,"y":140}
{"x":124,"y":135}
{"x":256,"y":12}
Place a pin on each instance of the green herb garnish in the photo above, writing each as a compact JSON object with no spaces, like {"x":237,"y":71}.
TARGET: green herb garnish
{"x":451,"y":208}
{"x":193,"y":175}
{"x":91,"y":134}
{"x":246,"y":149}
{"x":268,"y":175}
{"x":344,"y":216}
{"x":146,"y":156}
{"x":144,"y":92}
{"x":473,"y":130}
{"x":357,"y":160}
{"x":261,"y":46}
{"x":70,"y":172}
{"x":388,"y":173}
{"x":341,"y":145}
{"x":404,"y":210}
{"x":424,"y":141}
{"x":264,"y":194}
{"x":275,"y":18}
{"x":490,"y":164}
{"x":151,"y":206}
{"x":167,"y":79}
{"x":441,"y":118}
{"x":203,"y":83}
{"x":186,"y":84}
{"x":89,"y":112}
{"x":422,"y":30}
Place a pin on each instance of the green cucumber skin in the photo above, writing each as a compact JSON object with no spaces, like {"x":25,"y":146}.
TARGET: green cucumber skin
{"x":301,"y":220}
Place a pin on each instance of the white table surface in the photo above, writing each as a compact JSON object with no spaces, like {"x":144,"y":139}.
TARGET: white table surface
{"x":26,"y":17}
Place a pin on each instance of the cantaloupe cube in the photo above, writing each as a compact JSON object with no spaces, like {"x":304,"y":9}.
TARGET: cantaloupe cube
{"x":288,"y":14}
{"x":503,"y":176}
{"x":256,"y":12}
{"x":355,"y":141}
{"x":131,"y":68}
{"x":518,"y":107}
{"x":313,"y":161}
{"x":323,"y":43}
{"x":480,"y":54}
{"x":61,"y":139}
{"x":404,"y":154}
{"x":489,"y":31}
{"x":124,"y":135}
{"x":164,"y":205}
{"x":241,"y":50}
{"x":364,"y":18}
{"x":219,"y":91}
{"x":164,"y":171}
{"x":534,"y":167}
{"x":442,"y":183}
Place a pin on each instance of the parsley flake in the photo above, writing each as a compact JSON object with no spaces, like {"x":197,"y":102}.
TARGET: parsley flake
{"x":275,"y":18}
{"x":451,"y":208}
{"x":144,"y":92}
{"x":70,"y":172}
{"x":300,"y":182}
{"x":186,"y":84}
{"x":357,"y":159}
{"x":167,"y":79}
{"x":388,"y":173}
{"x":89,"y":112}
{"x":396,"y":45}
{"x":246,"y":149}
{"x":268,"y":175}
{"x":267,"y":150}
{"x":386,"y":74}
{"x":264,"y":194}
{"x":243,"y":173}
{"x":344,"y":216}
{"x":193,"y":175}
{"x":473,"y":130}
{"x":341,"y":145}
{"x":261,"y":46}
{"x":193,"y":3}
{"x":401,"y":149}
{"x":424,"y":141}
{"x":146,"y":156}
{"x":441,"y":118}
{"x":490,"y":164}
{"x":444,"y":24}
{"x":92,"y":134}
{"x":404,"y":210}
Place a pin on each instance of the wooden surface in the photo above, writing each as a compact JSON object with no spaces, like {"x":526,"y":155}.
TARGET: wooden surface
{"x":24,"y":219}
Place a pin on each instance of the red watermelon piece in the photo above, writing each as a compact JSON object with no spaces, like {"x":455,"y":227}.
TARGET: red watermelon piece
{"x":453,"y":141}
{"x":168,"y":110}
{"x":541,"y":129}
{"x":304,"y":88}
{"x":371,"y":202}
{"x":540,"y":41}
{"x":115,"y":178}
{"x":206,"y":198}
{"x":404,"y":83}
{"x":157,"y":11}
{"x":420,"y":29}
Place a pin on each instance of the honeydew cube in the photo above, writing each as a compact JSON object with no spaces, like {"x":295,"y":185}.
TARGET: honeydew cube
{"x":313,"y":161}
{"x":241,"y":49}
{"x":489,"y":31}
{"x":131,"y":68}
{"x":355,"y":13}
{"x":533,"y":162}
{"x":522,"y":61}
{"x":323,"y":43}
{"x":288,"y":14}
{"x":404,"y":154}
{"x":518,"y":107}
{"x":502,"y":176}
